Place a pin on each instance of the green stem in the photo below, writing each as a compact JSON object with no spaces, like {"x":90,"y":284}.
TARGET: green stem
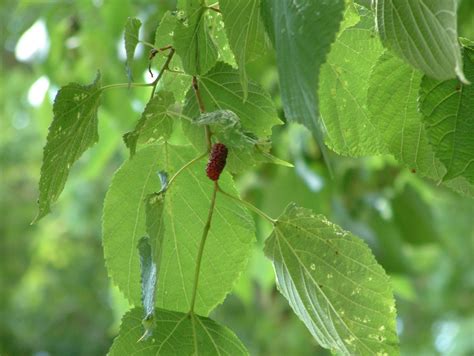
{"x":205,"y":233}
{"x":248,"y":205}
{"x":202,"y":110}
{"x":186,"y":166}
{"x":148,"y":44}
{"x":125,"y":85}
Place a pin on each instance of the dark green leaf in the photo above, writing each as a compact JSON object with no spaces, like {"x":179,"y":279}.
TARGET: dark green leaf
{"x":72,"y":132}
{"x":221,"y":90}
{"x":192,"y":41}
{"x":245,"y":31}
{"x":448,"y":114}
{"x":155,"y":122}
{"x":132,"y":28}
{"x":334,"y":284}
{"x":176,"y":334}
{"x":302,"y":32}
{"x":423,"y":33}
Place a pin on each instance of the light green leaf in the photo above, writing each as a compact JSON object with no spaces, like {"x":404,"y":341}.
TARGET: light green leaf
{"x":302,"y":32}
{"x":155,"y":122}
{"x":334,"y":284}
{"x":176,"y":334}
{"x":448,"y":114}
{"x":217,"y":32}
{"x":186,"y":206}
{"x":148,"y":279}
{"x":72,"y":132}
{"x":245,"y":31}
{"x":423,"y":33}
{"x":343,"y":91}
{"x":221,"y":90}
{"x":192,"y":41}
{"x":132,"y":28}
{"x":392,"y":100}
{"x":245,"y":150}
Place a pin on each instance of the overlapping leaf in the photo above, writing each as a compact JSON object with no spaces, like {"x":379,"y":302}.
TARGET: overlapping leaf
{"x":245,"y":150}
{"x":221,"y":90}
{"x":245,"y":31}
{"x":192,"y":41}
{"x":302,"y":32}
{"x":423,"y":33}
{"x":334,"y":284}
{"x":448,"y":114}
{"x":155,"y":122}
{"x":343,"y":91}
{"x":72,"y":132}
{"x":176,"y":334}
{"x":132,"y":28}
{"x":186,"y":206}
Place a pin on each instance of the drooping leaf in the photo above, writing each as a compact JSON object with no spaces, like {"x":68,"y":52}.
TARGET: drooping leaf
{"x":423,"y":33}
{"x":343,"y":91}
{"x":192,"y":41}
{"x":245,"y":150}
{"x":333,"y":283}
{"x":156,"y":121}
{"x":217,"y":32}
{"x":176,"y":334}
{"x":148,"y":279}
{"x":132,"y":28}
{"x":186,"y":206}
{"x":221,"y":90}
{"x":448,"y":114}
{"x":72,"y":132}
{"x":302,"y":32}
{"x":245,"y":31}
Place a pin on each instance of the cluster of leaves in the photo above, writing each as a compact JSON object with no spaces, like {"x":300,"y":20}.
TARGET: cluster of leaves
{"x":166,"y":226}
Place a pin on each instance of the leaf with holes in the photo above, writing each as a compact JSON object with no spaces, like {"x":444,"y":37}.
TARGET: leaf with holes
{"x":186,"y":206}
{"x":333,"y":283}
{"x":156,"y":122}
{"x":192,"y":41}
{"x":448,"y":114}
{"x":175,"y":334}
{"x":72,"y":132}
{"x":343,"y":91}
{"x":423,"y":33}
{"x":132,"y":28}
{"x":221,"y":90}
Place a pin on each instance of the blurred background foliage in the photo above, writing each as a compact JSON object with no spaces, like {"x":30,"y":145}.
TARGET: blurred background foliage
{"x":55,"y":297}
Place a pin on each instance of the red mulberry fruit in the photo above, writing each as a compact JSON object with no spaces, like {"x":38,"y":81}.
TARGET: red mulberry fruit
{"x":217,"y":161}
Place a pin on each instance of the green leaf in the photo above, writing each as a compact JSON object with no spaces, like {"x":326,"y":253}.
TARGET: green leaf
{"x":176,"y":334}
{"x":343,"y":91}
{"x":186,"y":206}
{"x":392,"y":100}
{"x":218,"y":34}
{"x":302,"y":32}
{"x":132,"y":27}
{"x":245,"y":150}
{"x":72,"y":132}
{"x":245,"y":31}
{"x":448,"y":114}
{"x":221,"y":90}
{"x":192,"y":41}
{"x":156,"y":122}
{"x":423,"y":33}
{"x":148,"y":278}
{"x":333,"y":283}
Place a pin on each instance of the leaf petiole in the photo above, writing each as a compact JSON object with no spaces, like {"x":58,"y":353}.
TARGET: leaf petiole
{"x":249,"y":205}
{"x":179,"y":171}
